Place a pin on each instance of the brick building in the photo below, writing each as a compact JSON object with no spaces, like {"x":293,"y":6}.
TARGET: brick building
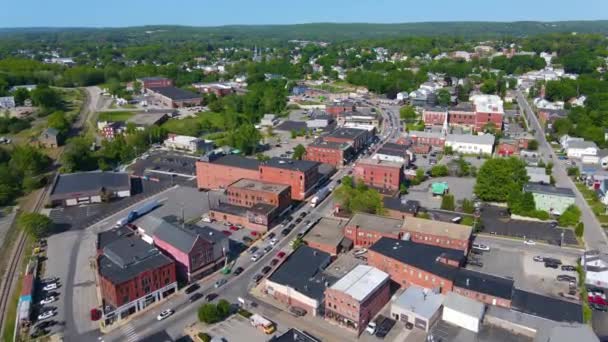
{"x":219,"y":171}
{"x":434,"y":116}
{"x":409,"y":263}
{"x":399,"y":209}
{"x":154,"y":82}
{"x":462,"y":115}
{"x":174,"y":97}
{"x":438,"y":233}
{"x":365,"y":229}
{"x":384,"y":175}
{"x":488,"y":111}
{"x":257,"y":217}
{"x":340,"y":107}
{"x":507,"y":147}
{"x":434,"y":139}
{"x":333,"y":153}
{"x":327,"y":235}
{"x":132,"y":274}
{"x":356,"y":298}
{"x":357,"y":138}
{"x":248,"y":192}
{"x":301,"y":175}
{"x":486,"y":288}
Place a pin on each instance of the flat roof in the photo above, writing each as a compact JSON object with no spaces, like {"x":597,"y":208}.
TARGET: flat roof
{"x":347,"y":133}
{"x":238,"y":161}
{"x":548,"y":190}
{"x":109,"y":236}
{"x":419,"y":255}
{"x":330,"y":144}
{"x":420,"y":301}
{"x":376,"y":223}
{"x":424,"y":134}
{"x":256,"y":185}
{"x":581,"y":144}
{"x":291,"y":164}
{"x":484,"y":283}
{"x":326,"y":231}
{"x":395,"y":203}
{"x":532,"y":170}
{"x":361,"y":282}
{"x":378,"y":162}
{"x":464,"y":305}
{"x":546,"y":307}
{"x":146,"y":119}
{"x":485,"y":139}
{"x":447,"y":229}
{"x":88,"y":183}
{"x":175,"y":93}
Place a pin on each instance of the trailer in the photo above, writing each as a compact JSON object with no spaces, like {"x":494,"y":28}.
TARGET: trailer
{"x":320,"y":196}
{"x":138,"y":212}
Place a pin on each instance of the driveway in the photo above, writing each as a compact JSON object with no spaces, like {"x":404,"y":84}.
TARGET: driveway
{"x":461,"y":188}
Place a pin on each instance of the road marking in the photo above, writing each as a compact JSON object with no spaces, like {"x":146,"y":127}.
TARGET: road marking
{"x":129,"y":332}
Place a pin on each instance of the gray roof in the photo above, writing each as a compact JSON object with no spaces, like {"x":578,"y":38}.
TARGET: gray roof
{"x":569,"y":333}
{"x":89,"y":183}
{"x":330,"y":144}
{"x":291,"y":164}
{"x":238,"y":161}
{"x":109,"y":236}
{"x":464,"y":305}
{"x":146,"y":119}
{"x":547,"y":307}
{"x":294,"y":335}
{"x":347,"y":133}
{"x":326,"y":231}
{"x":182,"y":239}
{"x":486,"y":139}
{"x":484,"y":283}
{"x":51,"y":131}
{"x":175,"y":93}
{"x":420,"y":301}
{"x":376,"y":223}
{"x":548,"y":190}
{"x":581,"y":144}
{"x":361,"y":282}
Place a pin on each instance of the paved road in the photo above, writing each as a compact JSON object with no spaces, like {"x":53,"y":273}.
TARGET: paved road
{"x":595,"y":237}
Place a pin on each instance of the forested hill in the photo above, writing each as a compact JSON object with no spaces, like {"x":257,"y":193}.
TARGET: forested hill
{"x":321,"y":31}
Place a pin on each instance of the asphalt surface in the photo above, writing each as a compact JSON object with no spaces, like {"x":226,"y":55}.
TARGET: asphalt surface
{"x":595,"y":237}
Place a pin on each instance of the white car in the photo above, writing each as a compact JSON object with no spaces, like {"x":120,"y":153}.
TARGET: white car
{"x":530,"y":242}
{"x":48,"y":300}
{"x":164,"y":314}
{"x":49,"y":287}
{"x":371,"y":328}
{"x":481,"y":247}
{"x":274,"y":241}
{"x":46,"y":314}
{"x":538,"y":258}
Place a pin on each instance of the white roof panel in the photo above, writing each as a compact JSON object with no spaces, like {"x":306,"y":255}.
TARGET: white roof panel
{"x":362,"y":281}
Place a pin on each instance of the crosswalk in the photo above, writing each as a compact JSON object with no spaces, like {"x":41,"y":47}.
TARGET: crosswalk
{"x":129,"y":332}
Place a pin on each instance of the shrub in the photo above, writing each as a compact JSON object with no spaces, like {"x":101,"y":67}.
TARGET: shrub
{"x":580,"y":229}
{"x":203,"y":337}
{"x":244,"y":313}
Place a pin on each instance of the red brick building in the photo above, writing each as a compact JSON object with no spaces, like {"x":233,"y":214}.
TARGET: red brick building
{"x":248,"y":192}
{"x":463,"y":115}
{"x":327,"y":235}
{"x":365,"y":229}
{"x":174,"y":97}
{"x":218,"y":172}
{"x":435,"y":116}
{"x":301,"y":175}
{"x":438,"y":233}
{"x":379,"y":174}
{"x":356,"y":298}
{"x":434,"y":139}
{"x":548,"y":116}
{"x":154,"y":82}
{"x":488,"y":111}
{"x":357,"y":138}
{"x":332,"y":153}
{"x":336,"y":108}
{"x":507,"y":147}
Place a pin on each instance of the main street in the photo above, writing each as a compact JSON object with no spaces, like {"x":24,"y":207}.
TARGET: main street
{"x":595,"y":237}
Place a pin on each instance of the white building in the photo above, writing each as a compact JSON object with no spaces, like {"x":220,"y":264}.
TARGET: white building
{"x":578,"y":149}
{"x":471,"y":144}
{"x":7,"y":102}
{"x":462,"y":311}
{"x":484,"y":103}
{"x":565,"y":140}
{"x":186,"y":143}
{"x":596,"y":269}
{"x":418,"y":306}
{"x":538,"y":175}
{"x":403,"y":96}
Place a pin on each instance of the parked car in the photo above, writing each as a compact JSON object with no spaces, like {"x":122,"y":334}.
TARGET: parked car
{"x":270,"y":236}
{"x":297,"y":311}
{"x":192,"y":288}
{"x":291,"y":226}
{"x":303,"y":214}
{"x":266,"y":269}
{"x":257,"y":278}
{"x":274,"y":241}
{"x":48,"y":300}
{"x":568,"y":268}
{"x":256,"y":257}
{"x":220,"y":282}
{"x":530,"y":242}
{"x":475,"y":263}
{"x":384,"y":326}
{"x":549,"y":264}
{"x":281,"y":255}
{"x":164,"y":314}
{"x":371,"y":328}
{"x":298,"y":220}
{"x":538,"y":258}
{"x":564,"y":277}
{"x":195,"y":297}
{"x":553,"y":260}
{"x":238,"y":271}
{"x":210,"y":296}
{"x":273,"y":262}
{"x":285,"y":231}
{"x":46,"y":315}
{"x":50,"y":287}
{"x":253,"y":249}
{"x":234,"y":228}
{"x":481,"y":247}
{"x":267,"y":249}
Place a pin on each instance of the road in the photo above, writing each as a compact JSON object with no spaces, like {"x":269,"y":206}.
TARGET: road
{"x":238,"y":286}
{"x":595,"y":237}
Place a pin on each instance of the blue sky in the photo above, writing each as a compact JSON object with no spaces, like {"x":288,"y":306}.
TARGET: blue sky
{"x":28,"y":13}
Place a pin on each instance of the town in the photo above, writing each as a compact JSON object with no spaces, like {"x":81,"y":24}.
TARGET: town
{"x":385,"y":188}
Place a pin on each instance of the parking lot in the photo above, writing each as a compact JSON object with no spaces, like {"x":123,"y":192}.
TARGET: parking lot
{"x":461,"y":188}
{"x":168,"y":166}
{"x":238,"y":328}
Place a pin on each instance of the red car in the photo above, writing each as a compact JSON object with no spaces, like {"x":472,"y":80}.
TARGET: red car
{"x":95,"y":314}
{"x":234,"y":228}
{"x":280,"y":254}
{"x":254,"y":233}
{"x":226,"y":232}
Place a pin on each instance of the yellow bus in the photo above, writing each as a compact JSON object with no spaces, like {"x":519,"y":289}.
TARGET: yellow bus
{"x":262,"y":323}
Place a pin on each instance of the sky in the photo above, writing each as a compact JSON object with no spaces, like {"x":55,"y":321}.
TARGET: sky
{"x":120,"y":13}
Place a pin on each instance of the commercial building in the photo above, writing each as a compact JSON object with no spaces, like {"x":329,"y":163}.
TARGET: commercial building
{"x":418,"y":306}
{"x":438,"y":233}
{"x":462,"y":312}
{"x":154,"y":82}
{"x":327,"y":236}
{"x":550,"y":198}
{"x":489,"y":112}
{"x":357,"y":138}
{"x":299,"y":281}
{"x":392,"y":152}
{"x":434,"y":116}
{"x":434,"y":139}
{"x":249,"y":192}
{"x":383,"y":175}
{"x":596,"y":269}
{"x":336,"y":154}
{"x":258,"y":217}
{"x":357,"y":297}
{"x":219,"y":89}
{"x":365,"y":229}
{"x":463,"y":115}
{"x":89,"y":187}
{"x":356,"y":120}
{"x":485,"y":288}
{"x":217,"y":171}
{"x":538,"y":175}
{"x":301,"y":175}
{"x":578,"y":149}
{"x":399,"y":209}
{"x":471,"y":144}
{"x":409,"y":263}
{"x":132,"y":274}
{"x":175,"y":97}
{"x":340,"y":107}
{"x":186,"y":143}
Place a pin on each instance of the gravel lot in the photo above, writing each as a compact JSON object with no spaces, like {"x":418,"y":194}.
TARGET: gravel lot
{"x":459,"y":187}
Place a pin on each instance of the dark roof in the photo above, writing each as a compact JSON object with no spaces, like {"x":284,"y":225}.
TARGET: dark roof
{"x":464,"y":107}
{"x":419,"y":255}
{"x":109,"y":236}
{"x":153,"y":78}
{"x":302,"y":272}
{"x":395,"y":203}
{"x":182,"y":239}
{"x":294,"y":335}
{"x":89,"y":183}
{"x":230,"y":209}
{"x":262,"y":208}
{"x":330,"y":144}
{"x":436,"y":109}
{"x":125,"y":258}
{"x":238,"y":161}
{"x":175,"y":93}
{"x":391,"y":152}
{"x":347,"y":133}
{"x":51,"y":131}
{"x":395,"y":147}
{"x":484,"y":283}
{"x":548,"y":190}
{"x":291,"y":164}
{"x":546,"y":307}
{"x":209,"y":234}
{"x":289,"y":125}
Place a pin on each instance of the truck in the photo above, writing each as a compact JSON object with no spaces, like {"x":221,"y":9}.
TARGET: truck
{"x":138,"y":212}
{"x":319,"y":196}
{"x":262,"y":323}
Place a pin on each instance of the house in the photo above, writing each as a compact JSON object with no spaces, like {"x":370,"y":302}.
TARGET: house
{"x":565,"y":140}
{"x":299,"y":280}
{"x":550,"y":198}
{"x":109,"y":130}
{"x":7,"y":102}
{"x":327,"y":236}
{"x":186,"y":143}
{"x":355,"y":299}
{"x":471,"y":144}
{"x":418,"y":306}
{"x":462,"y":312}
{"x":386,"y":176}
{"x":438,"y":233}
{"x":173,"y":97}
{"x":49,"y":138}
{"x":71,"y":189}
{"x":538,"y":175}
{"x":365,"y":229}
{"x":269,"y":120}
{"x":578,"y":149}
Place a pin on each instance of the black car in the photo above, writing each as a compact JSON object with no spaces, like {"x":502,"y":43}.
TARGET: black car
{"x":271,"y":235}
{"x":298,"y":220}
{"x":552,"y":260}
{"x":549,"y":264}
{"x":297,"y":311}
{"x":257,"y":278}
{"x":247,"y":239}
{"x":253,"y":249}
{"x":291,"y":226}
{"x":266,"y":269}
{"x":568,"y":268}
{"x":46,"y":324}
{"x":303,"y":214}
{"x":475,"y":263}
{"x":195,"y":297}
{"x":238,"y":271}
{"x":384,"y":325}
{"x":285,"y":231}
{"x":210,"y":296}
{"x":192,"y":288}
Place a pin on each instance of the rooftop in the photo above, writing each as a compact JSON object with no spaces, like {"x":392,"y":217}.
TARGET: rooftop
{"x":424,"y":134}
{"x":181,"y":239}
{"x":486,"y":139}
{"x":536,"y":170}
{"x":361,"y":282}
{"x":419,"y":255}
{"x":93,"y":182}
{"x":378,"y":162}
{"x":464,"y":304}
{"x":439,"y":228}
{"x":153,"y":78}
{"x":487,"y":103}
{"x":146,"y":119}
{"x":546,"y":307}
{"x":51,"y":131}
{"x":463,"y":107}
{"x":375,"y":223}
{"x":347,"y":133}
{"x":395,"y":203}
{"x":291,"y":164}
{"x":420,"y":301}
{"x":175,"y":93}
{"x":294,"y":335}
{"x":484,"y":283}
{"x":109,"y":236}
{"x":548,"y":190}
{"x":326,"y":231}
{"x":581,"y":144}
{"x":256,"y":185}
{"x":302,"y":272}
{"x":238,"y":161}
{"x":330,"y":144}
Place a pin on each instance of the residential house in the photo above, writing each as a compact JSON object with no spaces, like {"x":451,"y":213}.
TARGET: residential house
{"x":49,"y":138}
{"x":7,"y":102}
{"x":550,"y":198}
{"x":538,"y":175}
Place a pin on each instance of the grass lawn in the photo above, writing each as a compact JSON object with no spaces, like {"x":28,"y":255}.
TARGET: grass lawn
{"x":74,"y":99}
{"x":193,"y":125}
{"x":115,"y":116}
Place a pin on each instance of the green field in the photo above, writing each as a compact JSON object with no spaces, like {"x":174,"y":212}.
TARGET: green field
{"x":115,"y":116}
{"x":195,"y":126}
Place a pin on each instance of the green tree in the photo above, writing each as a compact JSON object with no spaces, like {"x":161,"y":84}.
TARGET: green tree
{"x":402,"y":189}
{"x":443,"y":97}
{"x":439,"y":171}
{"x":223,"y":308}
{"x":299,"y":152}
{"x":29,"y":161}
{"x":419,"y":178}
{"x":562,"y":126}
{"x":533,"y":145}
{"x":262,"y":157}
{"x":447,"y":202}
{"x":580,"y":229}
{"x":408,"y":114}
{"x":467,"y":206}
{"x":47,"y":98}
{"x":78,"y":156}
{"x":497,"y":178}
{"x":294,"y":134}
{"x":21,"y":94}
{"x":208,"y":313}
{"x":297,"y":243}
{"x":58,"y":121}
{"x":570,"y":216}
{"x":573,"y":171}
{"x":34,"y":224}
